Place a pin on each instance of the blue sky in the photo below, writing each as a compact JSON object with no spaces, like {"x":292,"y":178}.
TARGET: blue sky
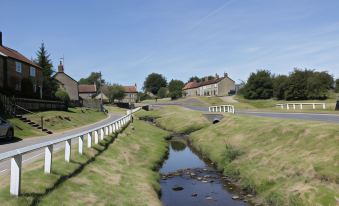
{"x":127,"y":40}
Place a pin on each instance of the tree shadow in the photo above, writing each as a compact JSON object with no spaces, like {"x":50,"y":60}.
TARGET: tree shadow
{"x":37,"y":197}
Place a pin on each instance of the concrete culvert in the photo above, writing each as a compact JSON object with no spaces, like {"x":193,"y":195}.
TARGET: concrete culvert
{"x":216,"y":121}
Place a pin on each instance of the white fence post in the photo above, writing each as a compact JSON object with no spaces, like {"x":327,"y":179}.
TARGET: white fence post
{"x":96,"y":137}
{"x":324,"y":106}
{"x":15,"y":186}
{"x":110,"y":129}
{"x":48,"y":159}
{"x":106,"y":131}
{"x":313,"y":106}
{"x":81,"y":144}
{"x":68,"y":150}
{"x":101,"y":133}
{"x":89,"y":140}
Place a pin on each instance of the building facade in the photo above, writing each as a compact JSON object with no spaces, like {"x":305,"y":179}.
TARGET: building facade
{"x":87,"y":91}
{"x":131,"y":94}
{"x":16,"y":70}
{"x":219,"y":86}
{"x":67,"y":83}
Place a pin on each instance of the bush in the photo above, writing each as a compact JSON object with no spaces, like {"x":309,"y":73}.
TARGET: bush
{"x":62,"y":95}
{"x":280,"y":86}
{"x":175,"y":88}
{"x":259,"y":85}
{"x":162,"y":92}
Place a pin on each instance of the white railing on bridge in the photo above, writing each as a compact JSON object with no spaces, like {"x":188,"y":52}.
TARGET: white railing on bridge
{"x":294,"y":105}
{"x":101,"y":132}
{"x":222,"y":108}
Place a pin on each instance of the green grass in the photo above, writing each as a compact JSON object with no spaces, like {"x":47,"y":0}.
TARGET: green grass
{"x":176,"y":118}
{"x":121,"y":173}
{"x":115,"y":110}
{"x":57,"y":121}
{"x":286,"y":162}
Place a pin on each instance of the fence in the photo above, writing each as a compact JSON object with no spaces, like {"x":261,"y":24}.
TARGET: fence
{"x":301,"y":105}
{"x":222,"y":108}
{"x":98,"y":132}
{"x":8,"y":105}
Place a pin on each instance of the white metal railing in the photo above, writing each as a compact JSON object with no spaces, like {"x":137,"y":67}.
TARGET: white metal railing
{"x":98,"y":132}
{"x":222,"y":108}
{"x":294,"y":105}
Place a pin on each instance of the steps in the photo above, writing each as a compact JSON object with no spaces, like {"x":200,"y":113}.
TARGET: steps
{"x":33,"y":124}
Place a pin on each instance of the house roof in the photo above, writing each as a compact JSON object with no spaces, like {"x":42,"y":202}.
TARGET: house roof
{"x":130,"y":89}
{"x":6,"y":51}
{"x":87,"y":88}
{"x":63,"y":73}
{"x":192,"y":85}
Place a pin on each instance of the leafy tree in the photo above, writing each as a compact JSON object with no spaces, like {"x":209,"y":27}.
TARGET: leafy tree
{"x":114,"y":92}
{"x":175,"y":88}
{"x":94,"y":77}
{"x":208,"y":78}
{"x":297,"y":85}
{"x":318,"y":84}
{"x":259,"y":85}
{"x":337,"y":85}
{"x":154,"y":82}
{"x":143,"y":96}
{"x":62,"y":95}
{"x":279,"y":86}
{"x":162,"y":92}
{"x":194,"y":78}
{"x":50,"y":85}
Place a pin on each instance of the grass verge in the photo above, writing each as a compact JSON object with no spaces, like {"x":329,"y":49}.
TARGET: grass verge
{"x":121,"y":173}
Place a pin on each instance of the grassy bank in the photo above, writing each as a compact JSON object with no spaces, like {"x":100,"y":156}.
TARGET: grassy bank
{"x":177,"y":119}
{"x":120,"y":173}
{"x":285,"y":162}
{"x":57,"y":121}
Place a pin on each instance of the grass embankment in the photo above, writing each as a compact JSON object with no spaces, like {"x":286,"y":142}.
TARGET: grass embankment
{"x":177,"y":119}
{"x":56,"y":121}
{"x":285,"y":162}
{"x":121,"y":173}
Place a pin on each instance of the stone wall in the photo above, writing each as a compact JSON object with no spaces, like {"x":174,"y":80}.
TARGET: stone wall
{"x":69,"y":85}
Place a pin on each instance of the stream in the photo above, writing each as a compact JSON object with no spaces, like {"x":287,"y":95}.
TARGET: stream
{"x":187,"y":179}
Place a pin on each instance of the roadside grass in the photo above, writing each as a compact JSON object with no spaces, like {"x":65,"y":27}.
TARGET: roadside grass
{"x":57,"y":121}
{"x":176,"y":118}
{"x":118,"y":173}
{"x":286,"y":162}
{"x":115,"y":109}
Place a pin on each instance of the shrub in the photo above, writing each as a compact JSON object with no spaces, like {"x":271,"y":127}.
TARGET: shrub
{"x":62,"y":95}
{"x":259,"y":85}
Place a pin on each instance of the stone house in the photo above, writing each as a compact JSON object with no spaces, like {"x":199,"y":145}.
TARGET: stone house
{"x":14,"y":68}
{"x":219,"y":86}
{"x":87,"y":91}
{"x":67,"y":83}
{"x":131,"y":94}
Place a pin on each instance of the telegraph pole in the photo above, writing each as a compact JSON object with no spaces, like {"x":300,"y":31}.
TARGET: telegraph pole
{"x":101,"y":101}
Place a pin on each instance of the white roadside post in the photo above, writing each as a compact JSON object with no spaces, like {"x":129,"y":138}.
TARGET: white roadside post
{"x":15,"y":186}
{"x":81,"y":144}
{"x":96,"y":137}
{"x":48,"y":159}
{"x":301,"y":106}
{"x":68,"y":150}
{"x":110,"y":129}
{"x":106,"y":131}
{"x":324,"y":106}
{"x":101,"y":133}
{"x":113,"y":127}
{"x":293,"y":106}
{"x":313,"y":106}
{"x":89,"y":140}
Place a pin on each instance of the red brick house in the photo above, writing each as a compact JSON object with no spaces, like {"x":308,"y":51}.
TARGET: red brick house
{"x":15,"y":68}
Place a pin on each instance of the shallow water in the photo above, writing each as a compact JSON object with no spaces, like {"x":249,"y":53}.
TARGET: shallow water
{"x":188,"y":180}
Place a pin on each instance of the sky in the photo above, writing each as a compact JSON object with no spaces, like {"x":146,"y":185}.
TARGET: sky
{"x":128,"y":39}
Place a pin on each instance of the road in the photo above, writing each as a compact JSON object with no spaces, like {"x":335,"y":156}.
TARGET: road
{"x":332,"y":118}
{"x":32,"y":156}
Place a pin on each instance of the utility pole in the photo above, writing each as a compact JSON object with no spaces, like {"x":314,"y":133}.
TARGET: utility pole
{"x":101,"y":103}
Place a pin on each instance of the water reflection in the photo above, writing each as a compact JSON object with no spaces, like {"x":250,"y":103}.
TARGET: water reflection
{"x":178,"y":145}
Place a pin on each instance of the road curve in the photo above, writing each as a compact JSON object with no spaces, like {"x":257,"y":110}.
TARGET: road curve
{"x":7,"y":146}
{"x":331,"y":118}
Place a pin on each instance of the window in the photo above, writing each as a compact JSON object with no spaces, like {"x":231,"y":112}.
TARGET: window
{"x":18,"y":86}
{"x":32,"y":71}
{"x":18,"y":66}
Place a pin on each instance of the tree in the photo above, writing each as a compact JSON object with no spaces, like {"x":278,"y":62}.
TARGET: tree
{"x":175,"y":88}
{"x":94,"y":77}
{"x":50,"y":85}
{"x":162,"y":92}
{"x":337,"y":85}
{"x":114,"y":92}
{"x":194,"y":78}
{"x":279,"y":86}
{"x":154,"y":82}
{"x":318,"y":84}
{"x":259,"y":85}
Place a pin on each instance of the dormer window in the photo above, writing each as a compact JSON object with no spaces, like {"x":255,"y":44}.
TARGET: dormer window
{"x":18,"y":66}
{"x":32,"y":71}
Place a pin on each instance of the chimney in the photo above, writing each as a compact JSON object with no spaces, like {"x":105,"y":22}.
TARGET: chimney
{"x":216,"y":76}
{"x":206,"y":79}
{"x":135,"y":84}
{"x":0,"y":38}
{"x":61,"y":67}
{"x":225,"y":74}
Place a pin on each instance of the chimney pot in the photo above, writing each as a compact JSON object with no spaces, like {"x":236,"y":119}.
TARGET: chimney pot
{"x":225,"y":74}
{"x":61,"y":67}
